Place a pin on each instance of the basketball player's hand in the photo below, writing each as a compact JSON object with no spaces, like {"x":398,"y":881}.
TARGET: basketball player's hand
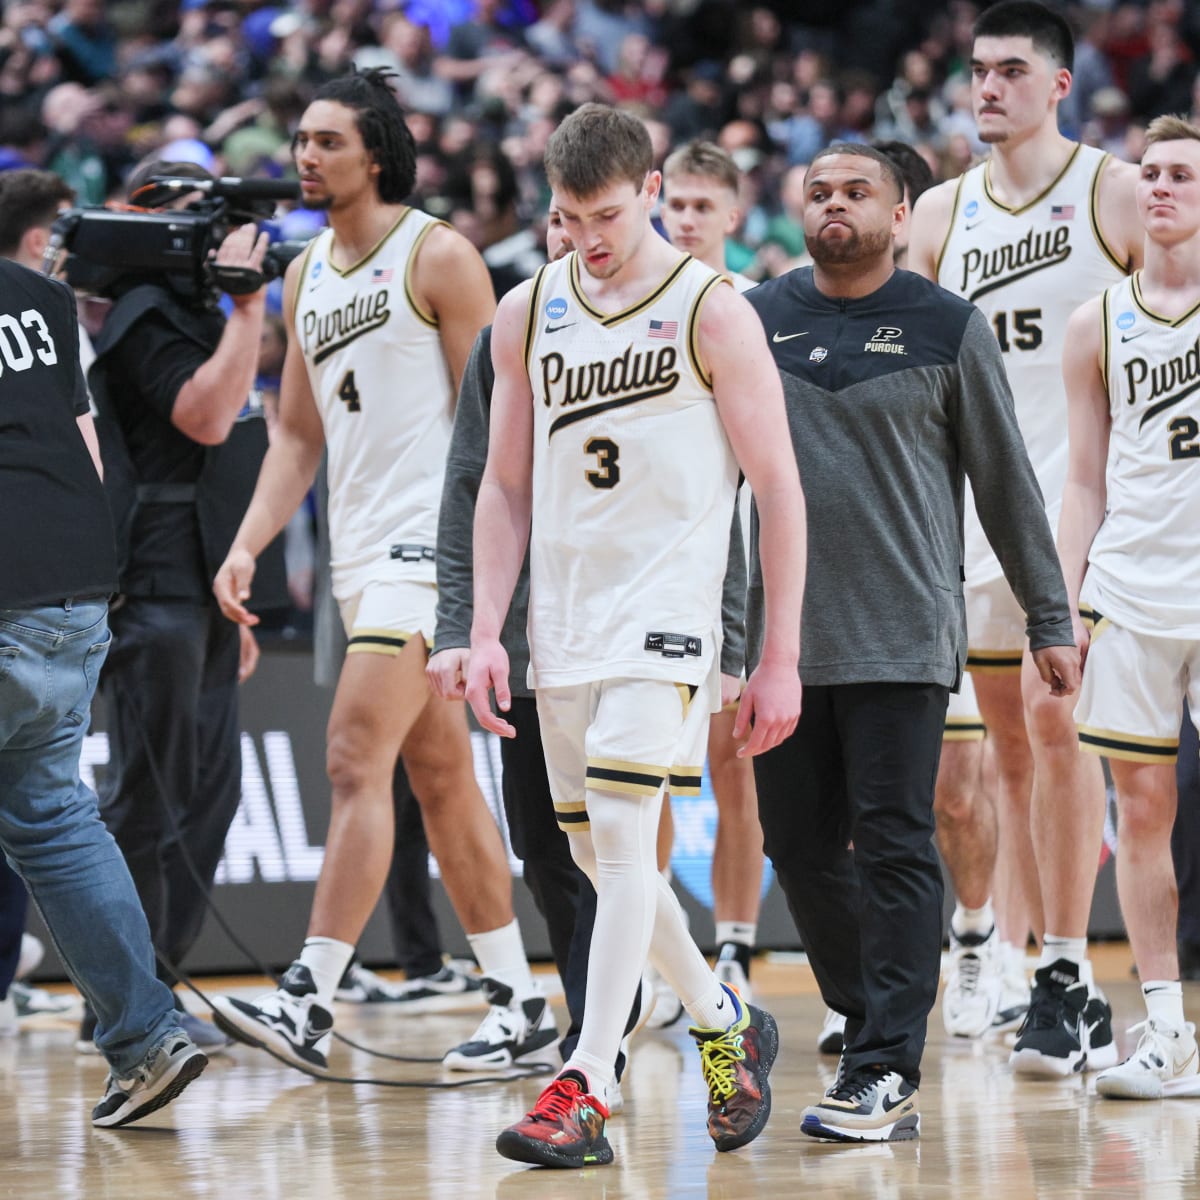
{"x":1083,"y":637}
{"x":771,"y":704}
{"x":248,"y":653}
{"x":1059,"y":667}
{"x":487,"y":672}
{"x":447,"y":672}
{"x":232,"y":586}
{"x":731,"y":689}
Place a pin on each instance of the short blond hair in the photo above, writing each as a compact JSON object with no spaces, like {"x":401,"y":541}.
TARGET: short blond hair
{"x":1171,"y":129}
{"x":705,"y":159}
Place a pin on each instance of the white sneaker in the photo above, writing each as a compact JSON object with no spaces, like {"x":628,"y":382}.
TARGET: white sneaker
{"x":513,"y":1029}
{"x":832,"y":1038}
{"x":451,"y":987}
{"x":729,"y":971}
{"x":288,"y":1022}
{"x":668,"y":1008}
{"x":1014,"y":990}
{"x":36,"y":1002}
{"x":32,"y":953}
{"x":9,"y":1027}
{"x":973,"y":985}
{"x":1164,"y":1064}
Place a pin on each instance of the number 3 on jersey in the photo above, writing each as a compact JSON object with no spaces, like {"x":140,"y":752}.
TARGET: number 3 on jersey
{"x":348,"y":393}
{"x":607,"y":452}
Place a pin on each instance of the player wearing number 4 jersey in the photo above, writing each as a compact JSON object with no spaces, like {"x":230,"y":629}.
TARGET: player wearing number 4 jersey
{"x":1128,"y":542}
{"x":1042,"y":223}
{"x":382,"y":312}
{"x":628,"y":376}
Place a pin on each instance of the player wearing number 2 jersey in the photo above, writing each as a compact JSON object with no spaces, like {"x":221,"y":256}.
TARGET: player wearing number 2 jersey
{"x":1128,"y":544}
{"x":1040,"y":225}
{"x":382,"y":312}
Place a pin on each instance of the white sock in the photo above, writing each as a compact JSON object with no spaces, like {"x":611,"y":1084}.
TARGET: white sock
{"x":327,"y":959}
{"x":1054,"y":947}
{"x":979,"y":920}
{"x":1164,"y":1001}
{"x":501,"y":956}
{"x":1013,"y":957}
{"x":741,"y":932}
{"x":597,"y":1074}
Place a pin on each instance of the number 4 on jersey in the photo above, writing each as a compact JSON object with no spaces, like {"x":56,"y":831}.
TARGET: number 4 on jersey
{"x":348,"y":393}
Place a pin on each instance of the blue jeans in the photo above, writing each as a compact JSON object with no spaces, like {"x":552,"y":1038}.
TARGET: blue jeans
{"x":51,"y":832}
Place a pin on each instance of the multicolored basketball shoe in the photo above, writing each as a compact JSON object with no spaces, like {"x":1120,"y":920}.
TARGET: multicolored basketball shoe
{"x":565,"y":1128}
{"x":735,"y":1063}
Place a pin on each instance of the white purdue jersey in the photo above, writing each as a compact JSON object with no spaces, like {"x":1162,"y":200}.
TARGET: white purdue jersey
{"x":633,"y":484}
{"x":383,"y":388}
{"x":1028,"y":269}
{"x":1144,"y":569}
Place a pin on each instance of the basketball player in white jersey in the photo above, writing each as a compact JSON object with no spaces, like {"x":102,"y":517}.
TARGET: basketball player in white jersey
{"x":700,"y":209}
{"x":382,"y":311}
{"x":1127,"y":540}
{"x":1023,"y":235}
{"x":628,"y":376}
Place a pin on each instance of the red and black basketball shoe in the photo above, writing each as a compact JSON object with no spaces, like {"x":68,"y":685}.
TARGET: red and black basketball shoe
{"x":565,"y":1128}
{"x":735,"y":1063}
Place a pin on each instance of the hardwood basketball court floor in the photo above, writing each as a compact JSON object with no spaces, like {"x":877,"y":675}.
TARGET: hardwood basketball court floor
{"x":251,"y":1128}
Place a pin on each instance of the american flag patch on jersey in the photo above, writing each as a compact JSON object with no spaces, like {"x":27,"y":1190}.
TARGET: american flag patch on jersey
{"x":664,"y":329}
{"x":1062,"y":212}
{"x":381,"y":275}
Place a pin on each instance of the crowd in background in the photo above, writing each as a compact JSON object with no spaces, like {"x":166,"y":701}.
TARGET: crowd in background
{"x":89,"y":89}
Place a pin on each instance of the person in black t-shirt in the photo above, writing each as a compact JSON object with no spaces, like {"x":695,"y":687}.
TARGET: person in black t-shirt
{"x":173,"y":385}
{"x":56,"y":543}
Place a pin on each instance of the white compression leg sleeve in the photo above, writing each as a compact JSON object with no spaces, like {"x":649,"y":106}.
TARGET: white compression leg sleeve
{"x":636,"y":914}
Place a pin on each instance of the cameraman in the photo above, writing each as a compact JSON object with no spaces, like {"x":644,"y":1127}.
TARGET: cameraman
{"x":182,"y":446}
{"x":57,"y":548}
{"x":30,"y":201}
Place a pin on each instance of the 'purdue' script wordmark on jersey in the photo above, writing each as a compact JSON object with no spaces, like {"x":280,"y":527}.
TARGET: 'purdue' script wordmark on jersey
{"x":1182,"y":372}
{"x":326,"y":333}
{"x":627,"y":379}
{"x":997,"y":268}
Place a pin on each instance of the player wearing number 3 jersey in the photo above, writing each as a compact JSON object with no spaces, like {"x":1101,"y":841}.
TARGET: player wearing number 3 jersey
{"x":630,"y":383}
{"x":382,"y":312}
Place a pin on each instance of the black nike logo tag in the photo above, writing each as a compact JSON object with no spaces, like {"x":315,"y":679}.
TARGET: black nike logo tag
{"x":1129,"y":337}
{"x":556,"y":328}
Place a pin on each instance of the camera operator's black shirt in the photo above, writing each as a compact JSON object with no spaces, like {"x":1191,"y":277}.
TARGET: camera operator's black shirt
{"x":145,"y":372}
{"x":56,"y":538}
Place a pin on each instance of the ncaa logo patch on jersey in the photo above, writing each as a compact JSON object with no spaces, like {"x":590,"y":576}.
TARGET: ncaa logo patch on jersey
{"x":818,"y":355}
{"x":1126,"y":320}
{"x":556,"y":308}
{"x":971,"y":209}
{"x":316,"y":271}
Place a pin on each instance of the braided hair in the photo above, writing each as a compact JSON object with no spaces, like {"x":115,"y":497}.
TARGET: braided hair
{"x":381,"y":125}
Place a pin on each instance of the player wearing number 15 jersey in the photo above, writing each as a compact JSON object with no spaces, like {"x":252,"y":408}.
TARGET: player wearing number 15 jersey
{"x":1039,"y":226}
{"x":382,"y":313}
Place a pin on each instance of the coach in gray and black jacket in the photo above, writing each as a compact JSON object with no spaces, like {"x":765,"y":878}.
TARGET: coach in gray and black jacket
{"x":894,"y":388}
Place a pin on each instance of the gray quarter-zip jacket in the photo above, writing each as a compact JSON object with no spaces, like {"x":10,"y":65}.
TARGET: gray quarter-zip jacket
{"x":891,"y":398}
